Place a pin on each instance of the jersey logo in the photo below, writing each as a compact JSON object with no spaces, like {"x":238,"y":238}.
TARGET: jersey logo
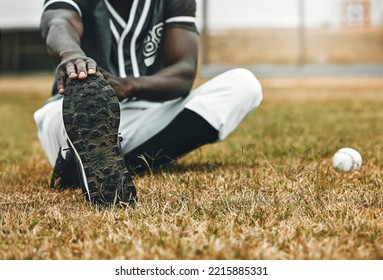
{"x":152,"y":44}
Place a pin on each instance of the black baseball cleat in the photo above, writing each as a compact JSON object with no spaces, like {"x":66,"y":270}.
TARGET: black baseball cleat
{"x":65,"y":173}
{"x":91,"y":114}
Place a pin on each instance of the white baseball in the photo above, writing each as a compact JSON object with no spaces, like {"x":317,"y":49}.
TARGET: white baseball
{"x":347,"y":159}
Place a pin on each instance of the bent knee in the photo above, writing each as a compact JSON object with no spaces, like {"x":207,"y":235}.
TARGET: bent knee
{"x":246,"y":86}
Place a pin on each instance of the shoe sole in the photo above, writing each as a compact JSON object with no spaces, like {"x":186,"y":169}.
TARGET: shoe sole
{"x":91,"y":114}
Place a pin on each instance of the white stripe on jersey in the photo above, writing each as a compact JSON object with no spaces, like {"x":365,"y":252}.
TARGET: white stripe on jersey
{"x":137,"y":31}
{"x":114,"y":31}
{"x":70,"y":2}
{"x":116,"y":16}
{"x":120,"y":46}
{"x":181,"y":19}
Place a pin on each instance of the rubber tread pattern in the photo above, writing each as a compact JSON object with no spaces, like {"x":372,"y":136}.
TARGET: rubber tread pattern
{"x":91,"y":115}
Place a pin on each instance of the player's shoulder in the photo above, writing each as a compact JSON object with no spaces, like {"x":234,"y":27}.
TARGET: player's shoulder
{"x":177,"y":7}
{"x":82,"y":2}
{"x":79,"y":6}
{"x":184,"y":4}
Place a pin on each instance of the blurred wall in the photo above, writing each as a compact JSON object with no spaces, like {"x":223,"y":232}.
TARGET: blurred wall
{"x":233,"y":14}
{"x":22,"y":48}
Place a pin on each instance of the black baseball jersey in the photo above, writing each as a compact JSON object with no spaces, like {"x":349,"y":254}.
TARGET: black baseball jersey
{"x":129,"y":48}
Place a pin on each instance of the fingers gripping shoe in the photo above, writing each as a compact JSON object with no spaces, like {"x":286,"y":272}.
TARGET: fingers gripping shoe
{"x":91,"y":114}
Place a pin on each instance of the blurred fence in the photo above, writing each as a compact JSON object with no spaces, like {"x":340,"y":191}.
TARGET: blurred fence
{"x":23,"y":50}
{"x":292,"y":32}
{"x":242,"y":32}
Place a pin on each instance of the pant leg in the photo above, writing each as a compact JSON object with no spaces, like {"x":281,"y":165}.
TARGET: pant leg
{"x":227,"y":99}
{"x":223,"y":102}
{"x":50,"y":129}
{"x":184,"y":134}
{"x":208,"y":114}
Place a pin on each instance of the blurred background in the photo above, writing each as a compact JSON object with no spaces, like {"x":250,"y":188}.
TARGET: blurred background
{"x":274,"y":37}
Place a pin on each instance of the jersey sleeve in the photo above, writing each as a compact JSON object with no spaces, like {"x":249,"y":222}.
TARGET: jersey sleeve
{"x":181,"y":13}
{"x":78,"y":6}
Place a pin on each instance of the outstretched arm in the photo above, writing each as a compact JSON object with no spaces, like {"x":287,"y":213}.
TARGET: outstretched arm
{"x":62,"y":30}
{"x":180,"y":53}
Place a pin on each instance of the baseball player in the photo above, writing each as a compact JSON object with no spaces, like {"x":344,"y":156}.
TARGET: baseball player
{"x":123,"y":99}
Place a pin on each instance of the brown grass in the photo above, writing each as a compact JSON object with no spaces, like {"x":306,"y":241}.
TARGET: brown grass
{"x":267,"y":192}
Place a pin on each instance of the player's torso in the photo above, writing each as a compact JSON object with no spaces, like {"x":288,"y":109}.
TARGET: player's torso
{"x":126,"y":42}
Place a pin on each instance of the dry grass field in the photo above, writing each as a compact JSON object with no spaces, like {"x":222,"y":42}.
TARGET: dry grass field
{"x":267,"y":192}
